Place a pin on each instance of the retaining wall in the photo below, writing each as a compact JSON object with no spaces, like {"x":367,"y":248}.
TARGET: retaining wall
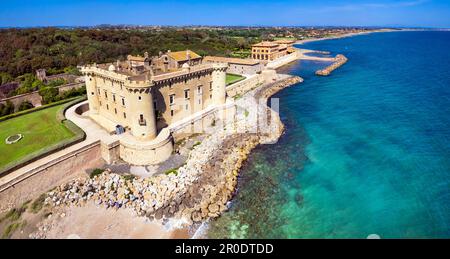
{"x":35,"y":98}
{"x":244,"y":86}
{"x":53,"y":173}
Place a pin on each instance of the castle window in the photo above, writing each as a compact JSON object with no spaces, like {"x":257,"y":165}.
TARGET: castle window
{"x":123,"y":101}
{"x":141,"y":120}
{"x":186,"y":94}
{"x":114,"y":98}
{"x":210,"y":86}
{"x":106,"y":95}
{"x":107,"y":107}
{"x":171,"y":113}
{"x":98,"y":90}
{"x":115,"y":110}
{"x":172,"y":99}
{"x":124,"y":115}
{"x":140,"y":98}
{"x":199,"y":90}
{"x":92,"y":93}
{"x":100,"y":103}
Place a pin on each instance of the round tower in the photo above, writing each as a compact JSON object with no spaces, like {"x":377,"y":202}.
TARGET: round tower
{"x":92,"y":94}
{"x":142,"y":113}
{"x":219,"y":83}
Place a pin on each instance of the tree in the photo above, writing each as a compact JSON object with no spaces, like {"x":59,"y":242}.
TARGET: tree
{"x":6,"y":109}
{"x":25,"y":105}
{"x":49,"y":94}
{"x":5,"y":78}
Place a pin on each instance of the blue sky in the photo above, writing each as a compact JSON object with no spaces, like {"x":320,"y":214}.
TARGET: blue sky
{"x":426,"y":13}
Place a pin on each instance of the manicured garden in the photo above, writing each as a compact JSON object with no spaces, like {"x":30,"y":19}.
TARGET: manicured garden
{"x":233,"y":78}
{"x":42,"y":131}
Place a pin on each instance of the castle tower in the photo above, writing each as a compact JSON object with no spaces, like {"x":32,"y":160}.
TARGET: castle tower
{"x":91,"y":91}
{"x":219,"y":83}
{"x":142,"y":113}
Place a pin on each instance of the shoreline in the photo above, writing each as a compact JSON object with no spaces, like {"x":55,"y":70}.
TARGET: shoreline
{"x":347,"y":35}
{"x":174,"y":203}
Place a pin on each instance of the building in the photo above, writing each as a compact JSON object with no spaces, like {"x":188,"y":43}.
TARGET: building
{"x":287,"y":42}
{"x":41,"y":74}
{"x":268,"y":50}
{"x":145,"y":95}
{"x":179,"y":58}
{"x":237,"y":65}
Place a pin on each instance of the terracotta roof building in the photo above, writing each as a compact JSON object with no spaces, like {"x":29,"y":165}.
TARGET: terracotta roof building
{"x":268,"y":50}
{"x":178,"y":58}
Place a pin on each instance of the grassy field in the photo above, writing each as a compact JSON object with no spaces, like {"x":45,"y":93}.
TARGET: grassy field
{"x":232,"y":78}
{"x":40,"y":129}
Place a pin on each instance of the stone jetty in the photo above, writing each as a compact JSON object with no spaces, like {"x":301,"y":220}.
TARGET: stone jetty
{"x":197,"y":191}
{"x":339,"y":60}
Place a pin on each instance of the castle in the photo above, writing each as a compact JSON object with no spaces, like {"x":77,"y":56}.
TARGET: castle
{"x":143,"y":95}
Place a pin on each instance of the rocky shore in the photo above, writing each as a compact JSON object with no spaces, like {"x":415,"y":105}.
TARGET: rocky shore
{"x":338,"y":62}
{"x":195,"y":192}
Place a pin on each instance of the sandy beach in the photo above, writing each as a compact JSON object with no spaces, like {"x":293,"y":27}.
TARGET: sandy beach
{"x":344,"y":36}
{"x":97,"y":222}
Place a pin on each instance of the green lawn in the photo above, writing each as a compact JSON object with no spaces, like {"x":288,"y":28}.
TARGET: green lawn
{"x":232,"y":78}
{"x":40,"y":129}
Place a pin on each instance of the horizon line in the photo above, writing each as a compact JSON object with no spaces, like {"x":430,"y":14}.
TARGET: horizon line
{"x":229,"y":26}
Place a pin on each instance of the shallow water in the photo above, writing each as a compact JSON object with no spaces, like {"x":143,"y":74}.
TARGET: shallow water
{"x":366,"y":150}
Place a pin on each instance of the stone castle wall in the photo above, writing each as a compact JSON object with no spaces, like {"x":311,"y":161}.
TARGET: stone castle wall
{"x":53,"y":173}
{"x":245,"y":85}
{"x":35,"y":98}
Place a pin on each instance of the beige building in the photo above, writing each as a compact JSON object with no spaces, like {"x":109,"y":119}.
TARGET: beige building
{"x":237,"y":65}
{"x":269,"y":50}
{"x":287,"y":42}
{"x":145,"y":95}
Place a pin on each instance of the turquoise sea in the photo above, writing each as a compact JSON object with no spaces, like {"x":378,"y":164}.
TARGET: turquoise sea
{"x":366,"y":150}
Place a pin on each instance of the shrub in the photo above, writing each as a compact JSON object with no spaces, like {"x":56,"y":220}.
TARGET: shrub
{"x":6,"y":109}
{"x":129,"y":177}
{"x":12,"y":228}
{"x":172,"y":171}
{"x":14,"y":214}
{"x":73,"y":93}
{"x":25,"y":105}
{"x":49,"y":94}
{"x":57,"y":82}
{"x":96,"y":172}
{"x":38,"y":204}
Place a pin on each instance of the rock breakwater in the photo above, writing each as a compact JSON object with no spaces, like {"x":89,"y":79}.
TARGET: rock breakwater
{"x":338,"y":62}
